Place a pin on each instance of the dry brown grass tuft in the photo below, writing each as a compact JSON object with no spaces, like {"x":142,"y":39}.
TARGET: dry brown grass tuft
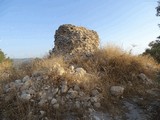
{"x":4,"y":66}
{"x":48,"y":63}
{"x":115,"y":63}
{"x":5,"y":70}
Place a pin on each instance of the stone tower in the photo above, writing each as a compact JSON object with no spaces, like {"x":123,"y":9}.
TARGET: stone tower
{"x":70,"y":39}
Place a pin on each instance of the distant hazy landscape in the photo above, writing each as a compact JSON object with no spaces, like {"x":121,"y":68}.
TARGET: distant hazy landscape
{"x":19,"y":61}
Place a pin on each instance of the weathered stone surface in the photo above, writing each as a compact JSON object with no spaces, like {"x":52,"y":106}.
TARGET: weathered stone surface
{"x":49,"y":96}
{"x":73,"y":93}
{"x":94,"y":92}
{"x":71,"y":68}
{"x":12,"y":85}
{"x":78,"y":104}
{"x":26,"y":78}
{"x":76,"y":87}
{"x":54,"y":101}
{"x":80,"y":71}
{"x":56,"y":106}
{"x":60,"y":71}
{"x":42,"y":102}
{"x":42,"y":112}
{"x":55,"y":91}
{"x":70,"y":39}
{"x":117,"y":90}
{"x":26,"y":96}
{"x":18,"y":81}
{"x":94,"y":99}
{"x":145,"y":79}
{"x":97,"y":105}
{"x":64,"y":88}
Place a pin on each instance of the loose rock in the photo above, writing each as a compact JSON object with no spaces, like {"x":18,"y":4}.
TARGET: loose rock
{"x":145,"y":78}
{"x":26,"y":96}
{"x":56,"y":106}
{"x":54,"y":101}
{"x":117,"y":90}
{"x":97,"y":105}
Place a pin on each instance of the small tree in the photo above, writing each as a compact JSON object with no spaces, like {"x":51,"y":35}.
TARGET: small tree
{"x":2,"y":56}
{"x":158,"y":8}
{"x":158,"y":13}
{"x":154,"y":50}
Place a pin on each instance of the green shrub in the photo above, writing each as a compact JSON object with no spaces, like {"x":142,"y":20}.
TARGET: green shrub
{"x":154,"y":50}
{"x":2,"y":56}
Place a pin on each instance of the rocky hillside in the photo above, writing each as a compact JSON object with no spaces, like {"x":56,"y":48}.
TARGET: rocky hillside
{"x":80,"y":81}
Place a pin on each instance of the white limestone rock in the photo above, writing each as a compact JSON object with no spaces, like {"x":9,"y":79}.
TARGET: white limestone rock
{"x":18,"y":81}
{"x":42,"y":102}
{"x":56,"y":106}
{"x":80,"y":71}
{"x":55,"y":91}
{"x":145,"y":79}
{"x":53,"y":101}
{"x":76,"y":87}
{"x":26,"y":78}
{"x":95,"y":92}
{"x":72,"y":93}
{"x":60,"y":71}
{"x":97,"y":105}
{"x":64,"y":87}
{"x":94,"y":99}
{"x":71,"y":68}
{"x":78,"y":104}
{"x":25,"y":96}
{"x":117,"y":90}
{"x":42,"y":113}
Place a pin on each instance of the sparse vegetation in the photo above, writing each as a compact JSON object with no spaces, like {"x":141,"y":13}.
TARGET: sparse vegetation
{"x":154,"y":50}
{"x":5,"y":65}
{"x":108,"y":66}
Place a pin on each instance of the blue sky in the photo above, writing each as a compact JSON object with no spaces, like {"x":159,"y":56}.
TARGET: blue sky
{"x":27,"y":27}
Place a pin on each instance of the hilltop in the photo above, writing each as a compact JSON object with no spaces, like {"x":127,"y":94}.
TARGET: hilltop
{"x":81,"y":81}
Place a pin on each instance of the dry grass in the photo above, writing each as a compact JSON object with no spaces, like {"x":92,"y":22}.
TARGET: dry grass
{"x":5,"y":70}
{"x":107,"y":66}
{"x":117,"y":64}
{"x":114,"y":66}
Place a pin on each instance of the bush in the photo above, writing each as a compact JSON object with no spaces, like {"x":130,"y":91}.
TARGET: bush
{"x":2,"y":56}
{"x":5,"y":66}
{"x":154,"y":50}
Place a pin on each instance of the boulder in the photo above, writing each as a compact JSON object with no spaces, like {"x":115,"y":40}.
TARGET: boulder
{"x":72,"y":93}
{"x":26,"y":78}
{"x":56,"y":106}
{"x":97,"y":105}
{"x":64,"y":87}
{"x":94,"y":92}
{"x":26,"y":96}
{"x":117,"y":90}
{"x":53,"y":101}
{"x":145,"y":79}
{"x":42,"y":102}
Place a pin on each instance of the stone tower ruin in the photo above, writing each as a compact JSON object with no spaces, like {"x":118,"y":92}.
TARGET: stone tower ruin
{"x":70,"y":39}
